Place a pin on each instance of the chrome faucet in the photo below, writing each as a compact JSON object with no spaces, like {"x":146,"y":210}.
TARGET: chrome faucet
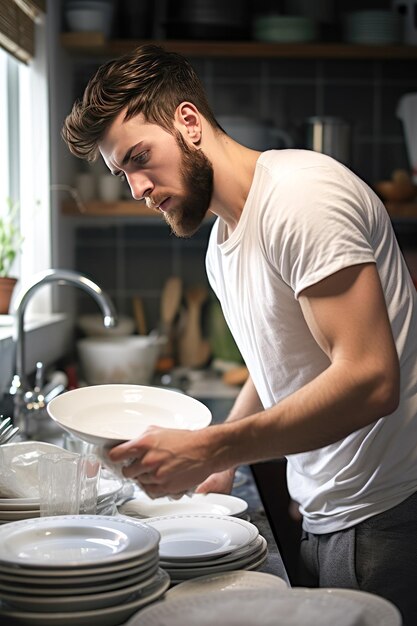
{"x":26,"y":399}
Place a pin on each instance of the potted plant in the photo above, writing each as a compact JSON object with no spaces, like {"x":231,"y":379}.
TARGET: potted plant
{"x":10,"y":244}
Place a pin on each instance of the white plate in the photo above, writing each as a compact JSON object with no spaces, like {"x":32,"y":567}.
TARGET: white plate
{"x":256,"y":547}
{"x":46,"y":585}
{"x":13,"y":516}
{"x":211,"y":503}
{"x":19,"y":504}
{"x":109,"y":414}
{"x":195,"y":537}
{"x":269,"y":607}
{"x":109,"y":616}
{"x":227,"y":582}
{"x":107,"y":489}
{"x":250,"y":562}
{"x":84,"y":602}
{"x":69,"y":541}
{"x":77,"y":576}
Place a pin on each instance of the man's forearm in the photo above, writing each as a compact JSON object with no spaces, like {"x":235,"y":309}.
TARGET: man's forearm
{"x":247,"y":402}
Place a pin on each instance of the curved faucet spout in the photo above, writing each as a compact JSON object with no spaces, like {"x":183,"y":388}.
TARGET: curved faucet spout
{"x":62,"y":277}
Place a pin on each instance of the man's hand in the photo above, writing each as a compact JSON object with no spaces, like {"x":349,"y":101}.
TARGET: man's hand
{"x":166,"y":461}
{"x":221,"y":482}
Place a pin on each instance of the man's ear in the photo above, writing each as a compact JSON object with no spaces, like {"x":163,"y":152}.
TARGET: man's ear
{"x":188,"y":121}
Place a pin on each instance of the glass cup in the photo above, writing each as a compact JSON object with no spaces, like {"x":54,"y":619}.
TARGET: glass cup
{"x":90,"y":476}
{"x":68,"y":483}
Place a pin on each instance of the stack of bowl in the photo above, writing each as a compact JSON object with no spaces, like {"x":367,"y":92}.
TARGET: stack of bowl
{"x":372,"y":27}
{"x":89,"y":16}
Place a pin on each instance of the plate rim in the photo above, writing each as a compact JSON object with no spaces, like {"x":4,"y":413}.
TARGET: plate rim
{"x":89,"y":521}
{"x":88,"y":435}
{"x":227,"y":520}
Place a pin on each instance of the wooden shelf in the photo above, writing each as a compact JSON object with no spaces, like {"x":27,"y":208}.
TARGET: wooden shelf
{"x":96,"y":44}
{"x":121,"y":208}
{"x":402,"y":210}
{"x":110,"y":209}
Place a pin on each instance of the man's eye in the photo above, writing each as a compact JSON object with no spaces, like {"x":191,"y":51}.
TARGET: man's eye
{"x":141,"y":158}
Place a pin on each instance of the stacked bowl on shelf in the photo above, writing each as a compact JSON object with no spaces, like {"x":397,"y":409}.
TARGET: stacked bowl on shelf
{"x":372,"y":27}
{"x":284,"y":28}
{"x":89,"y":16}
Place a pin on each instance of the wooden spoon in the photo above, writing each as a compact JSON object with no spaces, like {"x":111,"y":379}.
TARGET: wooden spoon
{"x":193,"y":349}
{"x":139,"y":313}
{"x":170,"y":303}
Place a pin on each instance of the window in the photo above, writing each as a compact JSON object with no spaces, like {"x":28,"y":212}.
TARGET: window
{"x":24,"y":158}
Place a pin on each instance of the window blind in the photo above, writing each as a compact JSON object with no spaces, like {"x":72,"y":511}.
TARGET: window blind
{"x":17,"y":26}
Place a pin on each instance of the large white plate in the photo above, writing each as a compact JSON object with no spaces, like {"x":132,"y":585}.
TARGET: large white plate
{"x":69,"y":541}
{"x":211,"y":503}
{"x":227,"y":582}
{"x":109,"y":414}
{"x":109,"y":616}
{"x":196,"y":537}
{"x":269,"y":607}
{"x":376,"y":611}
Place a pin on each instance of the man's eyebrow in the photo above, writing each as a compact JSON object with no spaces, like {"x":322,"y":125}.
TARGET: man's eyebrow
{"x":128,"y":154}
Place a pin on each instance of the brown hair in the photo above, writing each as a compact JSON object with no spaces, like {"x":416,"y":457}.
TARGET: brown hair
{"x":150,"y":80}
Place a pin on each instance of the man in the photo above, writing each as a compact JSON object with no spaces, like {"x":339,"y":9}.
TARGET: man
{"x":314,"y":288}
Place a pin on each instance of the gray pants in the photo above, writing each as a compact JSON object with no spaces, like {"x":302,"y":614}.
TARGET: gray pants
{"x":378,"y":555}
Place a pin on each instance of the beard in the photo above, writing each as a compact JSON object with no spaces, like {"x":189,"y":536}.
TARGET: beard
{"x":197,"y":177}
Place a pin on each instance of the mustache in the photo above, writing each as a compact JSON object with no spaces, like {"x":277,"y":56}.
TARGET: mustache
{"x":153,"y":203}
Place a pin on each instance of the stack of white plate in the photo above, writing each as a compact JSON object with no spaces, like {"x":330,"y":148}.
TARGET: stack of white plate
{"x":197,"y":545}
{"x":372,"y":27}
{"x":15,"y":509}
{"x":142,"y":506}
{"x":83,"y":569}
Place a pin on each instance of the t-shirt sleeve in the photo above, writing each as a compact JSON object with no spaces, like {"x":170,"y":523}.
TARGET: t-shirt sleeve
{"x":321,"y":225}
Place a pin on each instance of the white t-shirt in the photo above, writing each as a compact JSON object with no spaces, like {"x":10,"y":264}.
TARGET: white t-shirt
{"x":305,"y":218}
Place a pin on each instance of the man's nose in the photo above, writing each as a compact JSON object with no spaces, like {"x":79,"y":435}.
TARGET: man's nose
{"x":140,"y":185}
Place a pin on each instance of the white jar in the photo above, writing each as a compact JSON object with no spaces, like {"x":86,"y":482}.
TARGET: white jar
{"x":109,"y":188}
{"x":85,"y":185}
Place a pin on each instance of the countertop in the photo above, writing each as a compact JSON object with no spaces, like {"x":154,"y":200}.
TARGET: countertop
{"x":246,"y":489}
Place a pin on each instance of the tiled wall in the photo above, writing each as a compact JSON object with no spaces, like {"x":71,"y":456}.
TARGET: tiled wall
{"x":136,"y":257}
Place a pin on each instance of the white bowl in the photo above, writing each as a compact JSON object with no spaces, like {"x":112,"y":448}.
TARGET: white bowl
{"x":89,"y":20}
{"x":127,"y":360}
{"x":106,"y":415}
{"x":92,"y":326}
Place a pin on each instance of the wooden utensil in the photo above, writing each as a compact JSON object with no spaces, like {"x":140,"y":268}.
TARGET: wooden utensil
{"x":170,"y":303}
{"x":139,"y":313}
{"x":193,"y":349}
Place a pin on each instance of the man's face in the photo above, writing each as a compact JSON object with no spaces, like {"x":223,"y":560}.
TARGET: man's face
{"x":172,"y":176}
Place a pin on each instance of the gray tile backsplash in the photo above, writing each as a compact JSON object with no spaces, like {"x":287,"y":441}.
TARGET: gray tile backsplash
{"x":136,"y":258}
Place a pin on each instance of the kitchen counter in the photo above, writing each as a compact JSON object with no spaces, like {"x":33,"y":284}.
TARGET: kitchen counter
{"x":246,"y":489}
